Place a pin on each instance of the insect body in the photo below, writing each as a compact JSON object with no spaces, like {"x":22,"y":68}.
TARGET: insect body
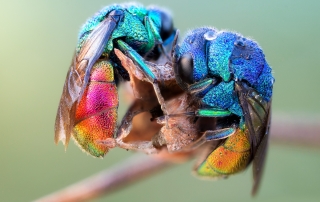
{"x":227,"y":89}
{"x":89,"y":102}
{"x":230,"y":79}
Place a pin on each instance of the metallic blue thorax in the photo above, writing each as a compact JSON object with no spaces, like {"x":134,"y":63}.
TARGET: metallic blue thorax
{"x":229,"y":57}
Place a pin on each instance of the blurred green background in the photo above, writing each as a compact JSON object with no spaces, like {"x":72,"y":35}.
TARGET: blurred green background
{"x":37,"y":42}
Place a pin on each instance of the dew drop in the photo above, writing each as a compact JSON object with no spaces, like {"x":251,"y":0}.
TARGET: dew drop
{"x":209,"y":36}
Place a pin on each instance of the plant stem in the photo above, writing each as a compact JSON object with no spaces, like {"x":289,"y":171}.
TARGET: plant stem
{"x":130,"y":170}
{"x":284,"y":128}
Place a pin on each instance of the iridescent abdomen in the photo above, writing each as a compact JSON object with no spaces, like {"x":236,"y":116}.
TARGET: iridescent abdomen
{"x":229,"y":158}
{"x":96,"y":113}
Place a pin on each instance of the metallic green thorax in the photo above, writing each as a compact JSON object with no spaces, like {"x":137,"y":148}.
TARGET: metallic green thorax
{"x":138,"y":27}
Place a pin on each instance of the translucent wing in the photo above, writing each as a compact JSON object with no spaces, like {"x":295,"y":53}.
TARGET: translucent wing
{"x":78,"y":77}
{"x":257,"y":121}
{"x":260,"y":155}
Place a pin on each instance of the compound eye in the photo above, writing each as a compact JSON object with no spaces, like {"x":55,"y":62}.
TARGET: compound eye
{"x":185,"y":68}
{"x":166,"y":26}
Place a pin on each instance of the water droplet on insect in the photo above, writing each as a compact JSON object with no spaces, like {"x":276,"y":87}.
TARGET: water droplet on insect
{"x":209,"y":36}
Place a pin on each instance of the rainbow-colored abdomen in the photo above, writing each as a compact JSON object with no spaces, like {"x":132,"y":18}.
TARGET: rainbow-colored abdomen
{"x":229,"y":158}
{"x":96,"y":113}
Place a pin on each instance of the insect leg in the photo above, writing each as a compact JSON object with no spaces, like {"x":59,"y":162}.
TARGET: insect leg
{"x":202,"y":85}
{"x":129,"y":137}
{"x":142,"y":66}
{"x":137,"y":59}
{"x":127,"y":129}
{"x":153,"y":34}
{"x":208,"y":135}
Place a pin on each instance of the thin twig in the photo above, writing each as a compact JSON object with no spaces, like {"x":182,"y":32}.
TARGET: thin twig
{"x":285,"y":129}
{"x":298,"y":130}
{"x":130,"y":170}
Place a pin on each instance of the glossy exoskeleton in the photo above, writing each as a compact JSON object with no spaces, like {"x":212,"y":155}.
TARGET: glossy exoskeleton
{"x":228,"y":77}
{"x":89,"y":102}
{"x":223,"y":109}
